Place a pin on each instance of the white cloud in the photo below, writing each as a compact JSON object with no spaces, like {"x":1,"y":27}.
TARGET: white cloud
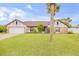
{"x":3,"y":13}
{"x":3,"y":18}
{"x":17,"y":14}
{"x":29,"y":6}
{"x":11,"y":14}
{"x":4,"y":9}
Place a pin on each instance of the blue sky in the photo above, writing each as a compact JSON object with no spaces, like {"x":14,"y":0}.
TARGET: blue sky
{"x":36,"y":12}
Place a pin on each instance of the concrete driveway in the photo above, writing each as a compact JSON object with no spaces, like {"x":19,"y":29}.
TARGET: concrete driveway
{"x":4,"y":36}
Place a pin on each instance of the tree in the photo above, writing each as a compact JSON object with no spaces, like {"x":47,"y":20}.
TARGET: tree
{"x":66,"y":21}
{"x":40,"y":28}
{"x":53,"y":8}
{"x":69,"y":19}
{"x":3,"y":28}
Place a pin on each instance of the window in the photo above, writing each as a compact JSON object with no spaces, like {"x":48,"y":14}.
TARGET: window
{"x":57,"y":23}
{"x":16,"y":22}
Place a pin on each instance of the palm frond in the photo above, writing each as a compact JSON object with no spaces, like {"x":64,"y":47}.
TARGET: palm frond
{"x":56,"y":10}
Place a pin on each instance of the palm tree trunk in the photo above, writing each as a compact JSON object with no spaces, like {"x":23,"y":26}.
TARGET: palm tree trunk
{"x":52,"y":28}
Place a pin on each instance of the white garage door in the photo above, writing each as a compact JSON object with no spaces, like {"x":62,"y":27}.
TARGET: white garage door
{"x":16,"y":30}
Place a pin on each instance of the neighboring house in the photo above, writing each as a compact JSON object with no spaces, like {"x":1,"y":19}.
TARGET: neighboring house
{"x":17,"y":26}
{"x":74,"y":29}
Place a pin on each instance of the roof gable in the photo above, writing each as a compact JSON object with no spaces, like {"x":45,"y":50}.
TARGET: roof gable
{"x":14,"y":21}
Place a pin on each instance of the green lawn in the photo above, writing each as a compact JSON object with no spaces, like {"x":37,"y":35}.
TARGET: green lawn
{"x":38,"y":45}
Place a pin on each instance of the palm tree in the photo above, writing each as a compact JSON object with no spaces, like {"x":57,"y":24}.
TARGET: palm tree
{"x":53,"y":8}
{"x":66,"y":21}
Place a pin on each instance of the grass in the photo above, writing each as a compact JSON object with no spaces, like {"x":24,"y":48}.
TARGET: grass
{"x":39,"y":45}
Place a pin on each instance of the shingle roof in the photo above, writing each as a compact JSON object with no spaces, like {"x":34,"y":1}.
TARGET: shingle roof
{"x":32,"y":23}
{"x":36,"y":23}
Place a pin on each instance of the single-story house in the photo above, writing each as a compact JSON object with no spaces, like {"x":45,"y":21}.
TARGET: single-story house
{"x":17,"y":26}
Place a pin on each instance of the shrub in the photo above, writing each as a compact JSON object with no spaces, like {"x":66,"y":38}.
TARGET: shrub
{"x":40,"y":28}
{"x":69,"y":32}
{"x":34,"y":31}
{"x":3,"y":28}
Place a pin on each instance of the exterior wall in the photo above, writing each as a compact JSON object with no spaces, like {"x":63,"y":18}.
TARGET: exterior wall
{"x":13,"y":24}
{"x":18,"y":25}
{"x":63,"y":30}
{"x":60,"y":26}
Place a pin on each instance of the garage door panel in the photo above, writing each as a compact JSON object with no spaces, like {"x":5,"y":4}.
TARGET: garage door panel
{"x":16,"y":30}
